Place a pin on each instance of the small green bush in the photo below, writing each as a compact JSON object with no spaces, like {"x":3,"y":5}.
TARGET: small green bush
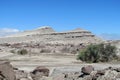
{"x":98,"y":53}
{"x":22,"y":52}
{"x":45,"y":51}
{"x":12,"y":51}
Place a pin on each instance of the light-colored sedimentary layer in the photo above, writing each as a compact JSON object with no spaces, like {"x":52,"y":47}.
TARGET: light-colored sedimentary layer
{"x":48,"y":35}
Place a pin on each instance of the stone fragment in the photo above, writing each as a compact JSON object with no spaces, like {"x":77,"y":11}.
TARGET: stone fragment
{"x":20,"y":74}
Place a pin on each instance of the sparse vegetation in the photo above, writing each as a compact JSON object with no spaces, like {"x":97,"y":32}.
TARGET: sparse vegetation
{"x":12,"y":51}
{"x":45,"y":50}
{"x":22,"y":52}
{"x":65,"y":49}
{"x":98,"y":53}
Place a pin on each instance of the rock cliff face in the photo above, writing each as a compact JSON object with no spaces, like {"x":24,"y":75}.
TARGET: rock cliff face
{"x":48,"y":35}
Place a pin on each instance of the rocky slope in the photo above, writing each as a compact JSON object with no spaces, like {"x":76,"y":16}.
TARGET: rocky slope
{"x":46,"y":40}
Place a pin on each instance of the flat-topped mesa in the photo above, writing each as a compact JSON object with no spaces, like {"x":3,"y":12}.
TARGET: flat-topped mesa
{"x":79,"y":30}
{"x":48,"y":35}
{"x":74,"y":37}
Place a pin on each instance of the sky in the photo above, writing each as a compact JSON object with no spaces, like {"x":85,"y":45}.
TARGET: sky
{"x":102,"y":17}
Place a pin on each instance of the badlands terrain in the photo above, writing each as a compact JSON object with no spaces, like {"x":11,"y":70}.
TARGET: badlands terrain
{"x":55,"y":51}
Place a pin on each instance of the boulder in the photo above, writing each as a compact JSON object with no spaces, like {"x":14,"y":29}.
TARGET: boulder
{"x":39,"y":72}
{"x":87,"y":70}
{"x":6,"y":71}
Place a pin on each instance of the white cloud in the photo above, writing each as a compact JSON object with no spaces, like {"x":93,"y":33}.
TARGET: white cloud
{"x":8,"y":31}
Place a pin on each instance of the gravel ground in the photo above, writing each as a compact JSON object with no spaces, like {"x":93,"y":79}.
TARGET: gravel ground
{"x":59,"y":63}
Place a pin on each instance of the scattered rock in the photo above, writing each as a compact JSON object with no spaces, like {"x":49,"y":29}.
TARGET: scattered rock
{"x":71,"y":75}
{"x":15,"y":68}
{"x":101,"y":72}
{"x":20,"y":74}
{"x":94,"y":75}
{"x":117,"y":69}
{"x":88,"y":77}
{"x":7,"y":72}
{"x":111,"y":74}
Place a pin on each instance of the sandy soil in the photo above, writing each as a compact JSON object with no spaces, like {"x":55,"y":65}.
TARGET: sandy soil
{"x":58,"y":62}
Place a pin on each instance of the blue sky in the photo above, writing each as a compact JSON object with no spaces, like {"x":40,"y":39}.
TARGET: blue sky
{"x":98,"y":16}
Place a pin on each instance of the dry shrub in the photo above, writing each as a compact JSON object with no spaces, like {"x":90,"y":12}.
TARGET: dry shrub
{"x":22,"y":52}
{"x":98,"y":53}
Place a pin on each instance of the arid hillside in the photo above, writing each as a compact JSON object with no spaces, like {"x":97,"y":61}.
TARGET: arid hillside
{"x":48,"y":35}
{"x":47,"y":40}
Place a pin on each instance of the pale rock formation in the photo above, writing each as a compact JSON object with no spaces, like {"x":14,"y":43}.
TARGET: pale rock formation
{"x":48,"y":35}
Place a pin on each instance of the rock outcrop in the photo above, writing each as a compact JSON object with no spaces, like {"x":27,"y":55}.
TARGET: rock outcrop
{"x":6,"y":71}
